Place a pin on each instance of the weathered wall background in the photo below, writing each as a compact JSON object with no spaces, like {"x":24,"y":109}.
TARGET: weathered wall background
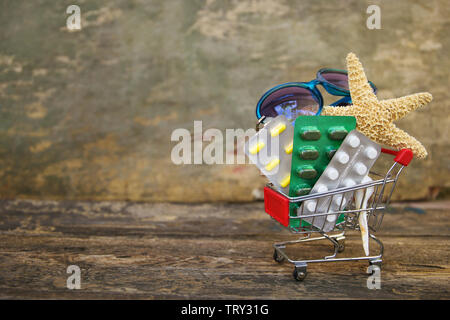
{"x":89,"y":114}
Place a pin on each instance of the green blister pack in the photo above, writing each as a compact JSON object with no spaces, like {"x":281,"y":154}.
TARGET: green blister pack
{"x":316,"y":139}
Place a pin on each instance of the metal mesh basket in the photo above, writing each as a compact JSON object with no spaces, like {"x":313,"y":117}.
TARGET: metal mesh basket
{"x":377,"y":193}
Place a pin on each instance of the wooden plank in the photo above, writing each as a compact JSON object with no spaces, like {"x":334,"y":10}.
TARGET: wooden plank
{"x":204,"y":251}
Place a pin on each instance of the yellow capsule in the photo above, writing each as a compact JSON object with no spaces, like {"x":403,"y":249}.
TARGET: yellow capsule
{"x":285,"y":181}
{"x":289,"y":147}
{"x":279,"y":128}
{"x":272,"y":164}
{"x":258,"y":146}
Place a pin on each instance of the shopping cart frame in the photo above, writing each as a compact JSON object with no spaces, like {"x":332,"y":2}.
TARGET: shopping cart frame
{"x":277,"y":205}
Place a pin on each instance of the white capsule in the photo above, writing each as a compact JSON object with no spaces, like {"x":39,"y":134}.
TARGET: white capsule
{"x":349,"y":183}
{"x":332,"y":173}
{"x":331,"y":218}
{"x":322,"y":188}
{"x":310,"y":205}
{"x":337,"y":200}
{"x":342,"y":157}
{"x":360,"y":168}
{"x":353,"y":141}
{"x":371,"y":153}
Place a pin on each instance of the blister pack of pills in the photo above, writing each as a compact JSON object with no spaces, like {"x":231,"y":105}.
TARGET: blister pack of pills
{"x":270,"y":149}
{"x":316,"y":139}
{"x":348,"y":167}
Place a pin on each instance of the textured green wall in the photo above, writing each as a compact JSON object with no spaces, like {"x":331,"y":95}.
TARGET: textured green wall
{"x":89,"y":114}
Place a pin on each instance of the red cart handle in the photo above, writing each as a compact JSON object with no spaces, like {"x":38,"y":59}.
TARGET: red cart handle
{"x":404,"y":156}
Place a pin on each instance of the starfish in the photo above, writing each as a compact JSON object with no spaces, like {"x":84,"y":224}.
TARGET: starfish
{"x":375,"y":118}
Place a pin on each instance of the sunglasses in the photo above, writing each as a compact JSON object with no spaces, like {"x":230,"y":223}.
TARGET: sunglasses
{"x":293,"y":99}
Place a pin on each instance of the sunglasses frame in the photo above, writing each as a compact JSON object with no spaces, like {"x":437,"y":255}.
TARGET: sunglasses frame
{"x":312,"y":87}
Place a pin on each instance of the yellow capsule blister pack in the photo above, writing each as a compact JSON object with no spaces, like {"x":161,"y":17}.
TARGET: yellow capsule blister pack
{"x":270,"y":149}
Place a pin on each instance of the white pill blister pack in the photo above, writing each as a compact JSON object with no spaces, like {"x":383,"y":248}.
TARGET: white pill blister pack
{"x":348,"y":167}
{"x":270,"y":149}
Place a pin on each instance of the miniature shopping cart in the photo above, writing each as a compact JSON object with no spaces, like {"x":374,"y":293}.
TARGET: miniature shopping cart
{"x":277,"y":205}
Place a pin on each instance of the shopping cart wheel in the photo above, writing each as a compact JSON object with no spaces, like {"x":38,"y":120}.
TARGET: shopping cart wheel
{"x":300,"y":273}
{"x":341,"y":247}
{"x":277,"y":257}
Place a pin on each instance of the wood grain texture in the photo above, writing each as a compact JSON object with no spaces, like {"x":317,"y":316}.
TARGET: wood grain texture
{"x":204,"y":251}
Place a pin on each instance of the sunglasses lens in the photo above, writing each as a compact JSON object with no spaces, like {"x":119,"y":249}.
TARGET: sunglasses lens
{"x":343,"y":104}
{"x":291,"y":101}
{"x":338,"y":79}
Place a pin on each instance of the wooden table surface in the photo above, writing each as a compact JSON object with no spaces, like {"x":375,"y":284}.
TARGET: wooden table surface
{"x":206,"y":251}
